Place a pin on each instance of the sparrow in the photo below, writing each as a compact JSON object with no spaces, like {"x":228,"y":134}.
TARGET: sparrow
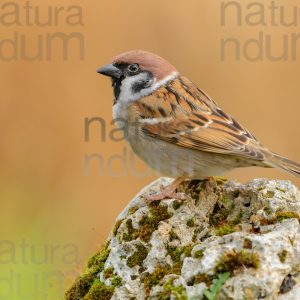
{"x":178,"y":129}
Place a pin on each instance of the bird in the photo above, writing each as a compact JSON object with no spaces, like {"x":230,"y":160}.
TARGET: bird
{"x":178,"y":129}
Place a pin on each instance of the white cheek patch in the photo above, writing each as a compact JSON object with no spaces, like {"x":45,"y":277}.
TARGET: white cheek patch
{"x":126,"y":93}
{"x":127,"y":96}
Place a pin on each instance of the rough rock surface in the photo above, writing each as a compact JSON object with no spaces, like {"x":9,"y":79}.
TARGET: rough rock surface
{"x":225,"y":241}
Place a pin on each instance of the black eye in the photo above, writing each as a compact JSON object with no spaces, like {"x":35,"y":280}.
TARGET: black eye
{"x":134,"y":68}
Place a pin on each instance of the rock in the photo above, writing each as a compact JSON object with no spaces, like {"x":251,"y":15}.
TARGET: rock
{"x":225,"y":241}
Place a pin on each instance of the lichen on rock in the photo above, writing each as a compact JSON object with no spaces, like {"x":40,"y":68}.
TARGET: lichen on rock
{"x":225,"y":241}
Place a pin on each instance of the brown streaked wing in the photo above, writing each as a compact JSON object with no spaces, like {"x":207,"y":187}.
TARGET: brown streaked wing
{"x":196,"y":122}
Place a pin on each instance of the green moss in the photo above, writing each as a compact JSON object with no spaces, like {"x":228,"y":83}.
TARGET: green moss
{"x":116,"y":281}
{"x":171,"y":291}
{"x":83,"y":284}
{"x":137,"y":258}
{"x":220,"y":218}
{"x":146,"y":229}
{"x":173,"y":235}
{"x":81,"y":287}
{"x":145,"y":232}
{"x":132,"y":210}
{"x":267,"y":210}
{"x":159,"y":213}
{"x":195,"y":235}
{"x":149,"y":223}
{"x":187,"y":250}
{"x":107,"y":273}
{"x":161,"y":271}
{"x":97,"y":260}
{"x":247,"y":244}
{"x":207,"y":279}
{"x":99,"y":291}
{"x":269,"y":194}
{"x":176,"y":256}
{"x":220,"y":213}
{"x":279,"y":216}
{"x":282,"y":255}
{"x":281,"y":190}
{"x":175,"y":253}
{"x":176,"y":268}
{"x":117,"y":226}
{"x":199,"y":254}
{"x":153,"y":279}
{"x":233,"y":260}
{"x":220,"y":180}
{"x":237,"y":220}
{"x":225,"y":229}
{"x":287,"y":215}
{"x":131,"y":233}
{"x":190,"y":222}
{"x":224,"y":199}
{"x":177,"y":204}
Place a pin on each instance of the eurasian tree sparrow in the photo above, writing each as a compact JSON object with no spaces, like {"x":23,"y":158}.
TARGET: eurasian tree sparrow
{"x":176,"y":128}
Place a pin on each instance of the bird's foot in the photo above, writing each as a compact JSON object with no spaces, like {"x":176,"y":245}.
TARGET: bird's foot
{"x":166,"y":195}
{"x":168,"y":192}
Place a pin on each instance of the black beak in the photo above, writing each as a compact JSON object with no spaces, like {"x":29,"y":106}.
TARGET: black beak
{"x":110,"y":70}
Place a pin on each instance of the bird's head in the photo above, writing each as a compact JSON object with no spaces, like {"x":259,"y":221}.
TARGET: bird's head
{"x":137,"y":73}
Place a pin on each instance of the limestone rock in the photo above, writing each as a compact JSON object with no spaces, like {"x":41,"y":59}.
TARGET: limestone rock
{"x":225,"y":241}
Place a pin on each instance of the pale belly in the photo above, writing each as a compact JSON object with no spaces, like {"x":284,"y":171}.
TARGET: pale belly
{"x":174,"y":161}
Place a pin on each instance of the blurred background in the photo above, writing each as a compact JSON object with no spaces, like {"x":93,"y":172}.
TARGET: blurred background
{"x":60,"y":189}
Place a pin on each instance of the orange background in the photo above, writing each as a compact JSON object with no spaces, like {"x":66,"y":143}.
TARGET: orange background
{"x":45,"y":196}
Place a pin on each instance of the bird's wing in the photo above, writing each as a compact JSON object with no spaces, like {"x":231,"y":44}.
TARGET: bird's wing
{"x":182,"y":114}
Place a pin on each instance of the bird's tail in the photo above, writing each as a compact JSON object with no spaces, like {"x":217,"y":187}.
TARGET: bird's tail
{"x":284,"y":163}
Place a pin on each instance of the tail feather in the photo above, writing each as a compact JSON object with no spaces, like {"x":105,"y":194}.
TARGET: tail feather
{"x":285,"y":164}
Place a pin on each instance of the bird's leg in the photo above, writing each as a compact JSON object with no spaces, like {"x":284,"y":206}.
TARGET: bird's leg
{"x":169,"y":192}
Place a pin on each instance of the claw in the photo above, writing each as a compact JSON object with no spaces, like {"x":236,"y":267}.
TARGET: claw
{"x":168,"y":192}
{"x":165,"y":195}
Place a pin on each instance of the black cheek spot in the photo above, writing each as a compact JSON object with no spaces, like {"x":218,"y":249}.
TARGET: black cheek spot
{"x":139,"y":85}
{"x":142,"y":84}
